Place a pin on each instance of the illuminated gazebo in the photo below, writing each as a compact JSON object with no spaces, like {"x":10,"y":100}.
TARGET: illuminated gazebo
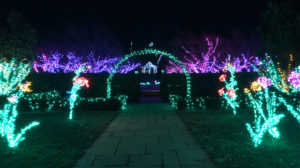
{"x":149,"y":67}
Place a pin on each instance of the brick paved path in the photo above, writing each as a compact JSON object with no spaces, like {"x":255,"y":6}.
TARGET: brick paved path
{"x":147,"y":135}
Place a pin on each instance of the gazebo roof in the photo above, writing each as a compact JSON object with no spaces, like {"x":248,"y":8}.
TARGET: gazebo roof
{"x":149,"y":65}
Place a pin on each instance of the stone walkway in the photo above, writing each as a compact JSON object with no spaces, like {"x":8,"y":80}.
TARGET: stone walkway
{"x":147,"y":135}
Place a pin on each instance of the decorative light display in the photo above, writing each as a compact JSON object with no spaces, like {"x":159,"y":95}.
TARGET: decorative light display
{"x":263,"y":122}
{"x":201,"y":102}
{"x":122,"y":98}
{"x":294,"y":111}
{"x":230,"y":94}
{"x":268,"y":69}
{"x":51,"y":98}
{"x":208,"y":62}
{"x":294,"y":79}
{"x":155,"y":52}
{"x":78,"y":82}
{"x":26,"y":87}
{"x":264,"y":82}
{"x":255,"y":86}
{"x":12,"y":74}
{"x":57,"y":62}
{"x":174,"y":99}
{"x":222,"y":78}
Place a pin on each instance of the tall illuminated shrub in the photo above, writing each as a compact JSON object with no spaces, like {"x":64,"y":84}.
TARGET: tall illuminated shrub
{"x":229,"y":91}
{"x":264,"y":104}
{"x":11,"y":76}
{"x":286,"y":82}
{"x":78,"y":82}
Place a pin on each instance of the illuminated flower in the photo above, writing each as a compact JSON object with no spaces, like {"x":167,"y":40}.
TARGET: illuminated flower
{"x":255,"y":86}
{"x":294,"y":79}
{"x":222,"y":78}
{"x":81,"y":81}
{"x":13,"y":99}
{"x":246,"y":90}
{"x":264,"y":82}
{"x":230,"y":92}
{"x":221,"y":91}
{"x":25,"y":87}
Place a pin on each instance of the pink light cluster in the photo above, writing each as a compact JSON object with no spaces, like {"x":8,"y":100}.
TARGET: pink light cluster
{"x":264,"y":82}
{"x":209,"y":62}
{"x":294,"y":79}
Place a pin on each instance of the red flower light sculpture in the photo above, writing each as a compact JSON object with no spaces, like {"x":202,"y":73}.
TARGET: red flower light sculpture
{"x":221,"y":91}
{"x":81,"y":81}
{"x":222,"y":78}
{"x":230,"y":93}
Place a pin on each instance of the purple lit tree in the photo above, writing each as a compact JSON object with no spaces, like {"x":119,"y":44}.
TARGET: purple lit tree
{"x":57,"y":62}
{"x":199,"y":59}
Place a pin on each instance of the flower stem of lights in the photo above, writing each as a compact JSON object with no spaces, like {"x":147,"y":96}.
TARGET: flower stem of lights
{"x":12,"y":74}
{"x":263,"y":122}
{"x":230,"y":94}
{"x":78,"y":82}
{"x":155,"y":52}
{"x":294,"y":111}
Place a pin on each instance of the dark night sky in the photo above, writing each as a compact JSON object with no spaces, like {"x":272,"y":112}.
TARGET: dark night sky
{"x":142,"y":21}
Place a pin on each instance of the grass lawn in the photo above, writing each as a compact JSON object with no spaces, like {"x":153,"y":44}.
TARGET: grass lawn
{"x":226,"y":140}
{"x":56,"y":142}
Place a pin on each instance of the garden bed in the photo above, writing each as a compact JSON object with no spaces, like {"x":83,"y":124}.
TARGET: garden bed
{"x":226,"y":140}
{"x":56,"y":142}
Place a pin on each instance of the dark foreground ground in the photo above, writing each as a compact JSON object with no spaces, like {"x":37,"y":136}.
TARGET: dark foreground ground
{"x":56,"y":142}
{"x":227,"y":142}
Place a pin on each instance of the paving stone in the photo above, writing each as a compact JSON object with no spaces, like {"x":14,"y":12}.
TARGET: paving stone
{"x":123,"y":134}
{"x":131,"y":148}
{"x":85,"y":161}
{"x":103,"y":146}
{"x":112,"y":161}
{"x":145,"y":136}
{"x":145,"y":160}
{"x":170,"y":160}
{"x":192,"y":158}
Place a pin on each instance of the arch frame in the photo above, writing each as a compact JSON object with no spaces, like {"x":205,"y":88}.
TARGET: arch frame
{"x":147,"y":51}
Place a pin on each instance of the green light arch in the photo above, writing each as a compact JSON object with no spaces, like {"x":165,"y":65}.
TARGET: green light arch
{"x":145,"y":52}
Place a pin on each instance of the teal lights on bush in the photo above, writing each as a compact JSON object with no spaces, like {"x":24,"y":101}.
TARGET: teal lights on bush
{"x":154,"y":52}
{"x":51,"y":98}
{"x":11,"y":76}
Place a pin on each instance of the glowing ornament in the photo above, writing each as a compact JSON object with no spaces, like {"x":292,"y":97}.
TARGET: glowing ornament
{"x":246,"y":90}
{"x":25,"y":87}
{"x":221,"y":91}
{"x":81,"y":81}
{"x":255,"y":86}
{"x":230,"y":93}
{"x":294,"y":79}
{"x":13,"y":99}
{"x":222,"y":78}
{"x":264,"y":82}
